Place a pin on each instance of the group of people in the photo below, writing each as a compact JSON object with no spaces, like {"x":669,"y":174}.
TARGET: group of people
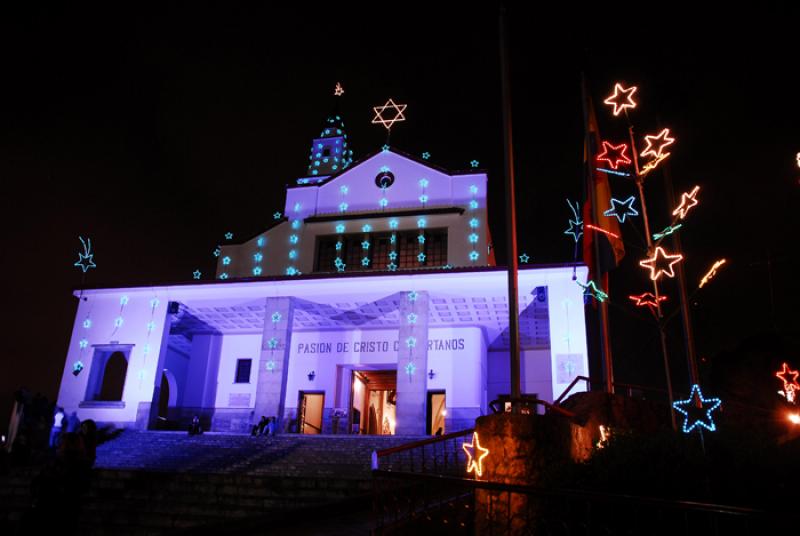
{"x":266,"y":426}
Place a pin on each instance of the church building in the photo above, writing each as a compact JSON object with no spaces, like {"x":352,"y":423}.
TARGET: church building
{"x":371,"y":305}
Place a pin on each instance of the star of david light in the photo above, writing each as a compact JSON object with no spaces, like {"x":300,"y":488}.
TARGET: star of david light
{"x":590,"y":289}
{"x":621,"y":99}
{"x":365,"y":261}
{"x":473,"y":255}
{"x":229,"y":236}
{"x":85,"y":261}
{"x":696,"y":404}
{"x":524,"y":258}
{"x":421,"y":257}
{"x":656,"y":144}
{"x":688,"y":200}
{"x":614,"y":154}
{"x":647,"y":299}
{"x":653,"y":264}
{"x":475,"y":455}
{"x":338,"y":90}
{"x":410,"y":368}
{"x":388,"y":121}
{"x":621,"y":209}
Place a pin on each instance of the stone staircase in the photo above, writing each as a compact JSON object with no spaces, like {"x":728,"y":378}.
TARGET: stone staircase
{"x":162,"y":482}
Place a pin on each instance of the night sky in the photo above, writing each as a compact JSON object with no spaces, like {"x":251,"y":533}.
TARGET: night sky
{"x":155,"y":130}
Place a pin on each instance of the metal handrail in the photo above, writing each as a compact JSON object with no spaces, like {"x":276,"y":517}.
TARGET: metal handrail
{"x":376,"y":454}
{"x":527,"y":402}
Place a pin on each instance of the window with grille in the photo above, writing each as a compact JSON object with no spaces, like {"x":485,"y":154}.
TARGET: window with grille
{"x":377,"y":251}
{"x":243,"y":370}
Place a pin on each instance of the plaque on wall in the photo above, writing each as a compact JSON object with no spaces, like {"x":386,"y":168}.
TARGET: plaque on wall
{"x":239,"y":400}
{"x":568,"y":366}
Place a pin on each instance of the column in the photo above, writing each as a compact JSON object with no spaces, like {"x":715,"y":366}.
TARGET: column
{"x":273,"y":363}
{"x":412,"y":364}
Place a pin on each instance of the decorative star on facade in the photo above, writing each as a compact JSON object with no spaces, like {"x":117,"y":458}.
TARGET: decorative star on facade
{"x":217,"y":252}
{"x":473,"y":255}
{"x":85,"y":260}
{"x":385,"y":148}
{"x":229,"y":236}
{"x":614,"y":154}
{"x":226,"y":260}
{"x":410,"y":368}
{"x":789,"y":384}
{"x":421,"y":257}
{"x":411,"y":342}
{"x":590,"y":289}
{"x":524,"y":258}
{"x":688,"y":200}
{"x":196,"y":274}
{"x":395,"y":110}
{"x":474,"y":163}
{"x":412,"y":296}
{"x":647,"y":299}
{"x":365,"y":244}
{"x":392,"y":255}
{"x":343,"y":206}
{"x":277,"y":216}
{"x":473,"y":238}
{"x":276,"y":317}
{"x":700,"y":409}
{"x":340,"y":228}
{"x":391,"y":266}
{"x":575,"y":229}
{"x":656,"y":268}
{"x":272,"y":343}
{"x":475,"y":455}
{"x":257,"y":270}
{"x":656,"y":144}
{"x":421,"y":239}
{"x":412,"y":318}
{"x":621,"y":99}
{"x":668,"y":230}
{"x":426,"y":155}
{"x":338,"y":90}
{"x":621,"y":209}
{"x":258,"y":257}
{"x":365,"y":261}
{"x":223,"y":275}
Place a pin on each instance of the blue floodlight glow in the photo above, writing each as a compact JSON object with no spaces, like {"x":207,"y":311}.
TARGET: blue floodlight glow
{"x":226,"y":260}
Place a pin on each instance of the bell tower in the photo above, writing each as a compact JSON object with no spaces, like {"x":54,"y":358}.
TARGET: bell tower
{"x":330,"y":152}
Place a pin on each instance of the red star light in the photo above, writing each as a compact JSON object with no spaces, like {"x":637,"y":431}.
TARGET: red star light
{"x":398,"y":114}
{"x":619,"y":98}
{"x":653,"y":264}
{"x":783,"y":375}
{"x":656,"y":144}
{"x":688,"y":200}
{"x":475,"y":455}
{"x":339,"y":90}
{"x":614,"y":154}
{"x":647,"y":299}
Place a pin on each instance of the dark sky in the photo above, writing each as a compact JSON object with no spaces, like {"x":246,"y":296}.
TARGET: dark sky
{"x":154,"y":130}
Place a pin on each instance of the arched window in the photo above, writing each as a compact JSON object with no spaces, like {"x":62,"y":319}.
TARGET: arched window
{"x":114,"y":372}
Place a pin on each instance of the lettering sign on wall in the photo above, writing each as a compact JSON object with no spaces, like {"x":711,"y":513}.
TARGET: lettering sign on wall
{"x":369,"y":347}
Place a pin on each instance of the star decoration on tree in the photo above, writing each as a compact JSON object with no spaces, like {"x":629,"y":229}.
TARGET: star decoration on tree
{"x":338,"y":90}
{"x":387,"y":122}
{"x":647,"y":299}
{"x":575,"y":229}
{"x":700,"y":409}
{"x":229,"y":236}
{"x":426,"y":155}
{"x":621,"y":99}
{"x":474,"y":163}
{"x":621,"y":209}
{"x":475,"y":455}
{"x":85,"y":259}
{"x":688,"y":200}
{"x":656,"y":144}
{"x":590,"y":289}
{"x":614,"y":154}
{"x":524,"y":258}
{"x":656,"y":268}
{"x":197,"y":274}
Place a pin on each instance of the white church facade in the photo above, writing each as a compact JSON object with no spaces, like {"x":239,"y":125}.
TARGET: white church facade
{"x":372,"y":305}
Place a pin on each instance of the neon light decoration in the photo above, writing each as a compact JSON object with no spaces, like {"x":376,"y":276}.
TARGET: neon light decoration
{"x":223,"y":275}
{"x":473,"y":255}
{"x":271,"y":365}
{"x":473,"y":223}
{"x":790,"y":386}
{"x":277,"y":216}
{"x":712,"y":272}
{"x":85,"y":260}
{"x":576,"y":225}
{"x":260,"y":242}
{"x":688,"y":200}
{"x":388,"y":122}
{"x":258,"y":257}
{"x":590,"y":289}
{"x":217,"y":252}
{"x":392,"y":255}
{"x":412,"y":318}
{"x":393,"y":223}
{"x":411,"y":342}
{"x":340,"y":228}
{"x":621,"y":209}
{"x":647,"y":299}
{"x":622,"y":98}
{"x":657,"y":271}
{"x":652,"y":164}
{"x":614,"y":155}
{"x":656,"y":144}
{"x":426,"y":155}
{"x":366,"y":228}
{"x":412,"y":296}
{"x":475,"y":455}
{"x":87,"y":323}
{"x":410,"y":368}
{"x":473,"y":238}
{"x":365,"y":261}
{"x":343,"y":206}
{"x":612,"y":172}
{"x":226,"y":260}
{"x":77,"y":367}
{"x":696,"y":404}
{"x":338,"y":90}
{"x":421,"y":257}
{"x":421,"y":223}
{"x":421,"y":239}
{"x":272,"y":343}
{"x":229,"y":236}
{"x":257,"y":270}
{"x":474,"y":163}
{"x":668,"y":230}
{"x":391,"y":266}
{"x":600,"y":230}
{"x":423,"y":199}
{"x":524,"y":258}
{"x":365,"y":244}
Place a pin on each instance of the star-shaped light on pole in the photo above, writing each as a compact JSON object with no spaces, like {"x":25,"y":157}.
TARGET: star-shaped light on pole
{"x":85,"y":260}
{"x":621,"y":99}
{"x":614,"y":154}
{"x":688,"y":200}
{"x":575,"y":229}
{"x":590,"y":289}
{"x":656,"y":270}
{"x":647,"y":299}
{"x":338,"y":90}
{"x":475,"y":455}
{"x":700,"y":408}
{"x":790,"y":386}
{"x":387,"y":122}
{"x":621,"y":209}
{"x":656,"y":144}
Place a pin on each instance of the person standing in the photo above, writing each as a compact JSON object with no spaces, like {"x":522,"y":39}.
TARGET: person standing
{"x":55,"y":431}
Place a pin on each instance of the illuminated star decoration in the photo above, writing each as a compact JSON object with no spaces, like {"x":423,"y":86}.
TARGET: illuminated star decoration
{"x":410,"y":368}
{"x":696,"y":404}
{"x":688,"y":200}
{"x":85,"y":261}
{"x":426,"y":155}
{"x":473,"y":255}
{"x":385,"y":148}
{"x":339,"y":90}
{"x":276,"y":317}
{"x":621,"y":209}
{"x":656,"y":144}
{"x":667,"y":231}
{"x":421,"y":257}
{"x":524,"y":258}
{"x":711,"y":273}
{"x":365,"y":261}
{"x":277,"y":216}
{"x":474,"y":163}
{"x":77,"y":367}
{"x":614,"y":154}
{"x":217,"y":252}
{"x":590,"y":289}
{"x":197,"y":274}
{"x":647,"y":299}
{"x":229,"y":236}
{"x":652,"y":164}
{"x":388,"y":122}
{"x":576,"y":225}
{"x":475,"y":455}
{"x":653,"y":264}
{"x":619,"y":98}
{"x":790,"y":386}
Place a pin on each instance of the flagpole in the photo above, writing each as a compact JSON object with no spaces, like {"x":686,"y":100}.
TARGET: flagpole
{"x":511,"y":218}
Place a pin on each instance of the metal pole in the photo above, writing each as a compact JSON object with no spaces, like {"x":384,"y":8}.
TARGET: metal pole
{"x":511,"y":216}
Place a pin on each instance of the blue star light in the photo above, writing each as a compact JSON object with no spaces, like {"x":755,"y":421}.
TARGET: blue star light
{"x":343,"y":206}
{"x":87,"y":323}
{"x":257,"y":270}
{"x":229,"y":236}
{"x":383,"y":202}
{"x":421,"y":257}
{"x":473,"y":238}
{"x":296,"y":224}
{"x":260,"y":242}
{"x":340,"y":228}
{"x":118,"y":322}
{"x":412,"y":318}
{"x":291,"y":270}
{"x":276,"y":317}
{"x":474,"y":163}
{"x":590,"y":289}
{"x":410,"y":368}
{"x":123,"y":300}
{"x":412,"y":296}
{"x":411,"y":342}
{"x":473,"y":189}
{"x":272,"y":343}
{"x":77,"y":367}
{"x":391,"y":266}
{"x":473,"y":204}
{"x":575,"y":229}
{"x":426,"y":155}
{"x":393,"y":238}
{"x":524,"y":258}
{"x":217,"y":252}
{"x":393,"y":223}
{"x":223,"y":275}
{"x":421,"y":239}
{"x":294,"y":239}
{"x":338,"y":245}
{"x":385,"y":169}
{"x":473,"y":223}
{"x":392,"y":255}
{"x":344,"y":189}
{"x":423,"y":183}
{"x":297,"y":207}
{"x":270,"y":365}
{"x":366,"y":228}
{"x":292,"y":253}
{"x":151,"y":326}
{"x":385,"y":148}
{"x":226,"y":260}
{"x":365,"y":244}
{"x":83,"y":343}
{"x":277,"y":216}
{"x":621,"y":209}
{"x":700,"y":408}
{"x":154,"y":303}
{"x":365,"y":261}
{"x":421,"y":223}
{"x":423,"y":198}
{"x":196,"y":274}
{"x":258,"y":257}
{"x":473,"y":255}
{"x":85,"y":261}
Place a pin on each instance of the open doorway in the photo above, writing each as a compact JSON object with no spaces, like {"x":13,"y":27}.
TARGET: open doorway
{"x":437,"y":411}
{"x":310,"y":414}
{"x":374,"y":396}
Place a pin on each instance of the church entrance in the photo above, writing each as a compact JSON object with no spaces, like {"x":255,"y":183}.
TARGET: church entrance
{"x":374,"y":396}
{"x":310,"y":413}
